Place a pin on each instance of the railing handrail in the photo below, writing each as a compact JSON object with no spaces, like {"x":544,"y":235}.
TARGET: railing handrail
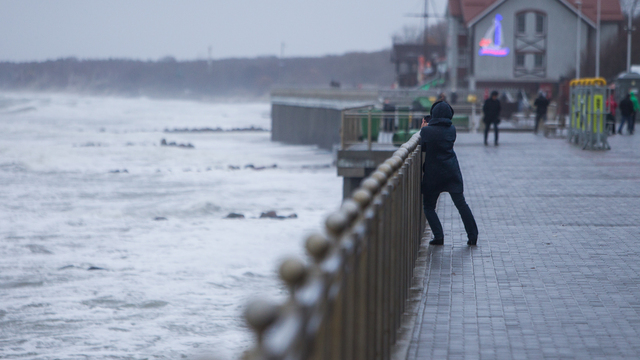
{"x":348,"y":301}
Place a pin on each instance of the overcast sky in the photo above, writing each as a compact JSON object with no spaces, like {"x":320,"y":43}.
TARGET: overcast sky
{"x":150,"y":29}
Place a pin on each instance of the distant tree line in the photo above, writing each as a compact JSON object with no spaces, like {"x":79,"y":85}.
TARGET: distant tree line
{"x":192,"y":79}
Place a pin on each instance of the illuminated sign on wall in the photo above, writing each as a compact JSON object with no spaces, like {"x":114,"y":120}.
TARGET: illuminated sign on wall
{"x":491,"y":43}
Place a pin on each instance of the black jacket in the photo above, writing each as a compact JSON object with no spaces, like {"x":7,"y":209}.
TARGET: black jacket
{"x":491,"y":110}
{"x":626,"y":106}
{"x":541,"y":105}
{"x":441,"y":169}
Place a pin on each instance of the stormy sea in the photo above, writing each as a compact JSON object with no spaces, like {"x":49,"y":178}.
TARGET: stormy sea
{"x":115,"y":241}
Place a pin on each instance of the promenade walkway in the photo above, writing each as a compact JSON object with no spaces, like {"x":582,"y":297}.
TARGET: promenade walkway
{"x":556,"y":273}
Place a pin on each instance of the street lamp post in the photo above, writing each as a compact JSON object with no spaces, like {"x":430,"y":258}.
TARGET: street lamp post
{"x":578,"y":49}
{"x":630,"y":29}
{"x":598,"y":40}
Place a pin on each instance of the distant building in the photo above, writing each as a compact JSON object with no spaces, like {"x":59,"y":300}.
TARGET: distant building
{"x":522,"y":43}
{"x":410,"y":59}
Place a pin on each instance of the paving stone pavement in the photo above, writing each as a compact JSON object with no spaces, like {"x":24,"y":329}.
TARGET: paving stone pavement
{"x":556,"y":273}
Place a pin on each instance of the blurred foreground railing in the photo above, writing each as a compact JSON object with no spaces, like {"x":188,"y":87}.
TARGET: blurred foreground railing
{"x":347,"y":301}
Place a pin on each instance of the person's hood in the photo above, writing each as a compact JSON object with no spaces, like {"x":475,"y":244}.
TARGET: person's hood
{"x":441,"y":110}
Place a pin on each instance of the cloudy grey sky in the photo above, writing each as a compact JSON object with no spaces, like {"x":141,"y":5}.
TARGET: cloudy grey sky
{"x":149,"y":29}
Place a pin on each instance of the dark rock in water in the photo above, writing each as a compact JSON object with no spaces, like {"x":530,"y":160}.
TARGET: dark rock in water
{"x":269,"y":214}
{"x":251,"y":166}
{"x":234,"y":216}
{"x":273,"y":215}
{"x":117,"y":171}
{"x":95,"y":268}
{"x":159,"y":218}
{"x":164,"y":142}
{"x":232,"y":167}
{"x":67,"y":267}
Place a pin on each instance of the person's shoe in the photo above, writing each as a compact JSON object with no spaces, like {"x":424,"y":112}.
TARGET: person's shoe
{"x":496,"y":144}
{"x":472,"y":242}
{"x":437,"y":241}
{"x":486,"y":143}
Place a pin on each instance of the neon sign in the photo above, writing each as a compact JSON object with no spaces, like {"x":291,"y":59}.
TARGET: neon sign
{"x":491,"y":43}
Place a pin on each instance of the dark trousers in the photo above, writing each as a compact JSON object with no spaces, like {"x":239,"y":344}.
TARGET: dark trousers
{"x":625,"y":119}
{"x":538,"y":117}
{"x":486,"y":131}
{"x":429,"y":204}
{"x":611,"y":124}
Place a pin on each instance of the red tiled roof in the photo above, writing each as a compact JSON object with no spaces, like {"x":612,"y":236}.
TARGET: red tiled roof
{"x":609,"y":9}
{"x":470,"y":9}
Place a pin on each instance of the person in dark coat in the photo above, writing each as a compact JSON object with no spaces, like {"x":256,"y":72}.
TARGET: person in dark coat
{"x":541,"y":104}
{"x":491,"y":110}
{"x":441,"y":172}
{"x":626,"y":111}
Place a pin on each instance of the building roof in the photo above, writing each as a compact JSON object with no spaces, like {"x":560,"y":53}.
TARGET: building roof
{"x":610,"y":10}
{"x":473,"y":10}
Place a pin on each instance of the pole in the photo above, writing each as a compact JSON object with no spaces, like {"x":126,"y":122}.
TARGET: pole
{"x":598,"y":41}
{"x":578,"y":49}
{"x":629,"y":31}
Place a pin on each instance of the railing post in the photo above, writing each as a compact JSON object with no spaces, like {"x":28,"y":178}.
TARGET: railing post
{"x":369,"y":130}
{"x":342,"y":130}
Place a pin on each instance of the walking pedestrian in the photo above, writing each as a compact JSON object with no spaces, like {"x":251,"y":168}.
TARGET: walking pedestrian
{"x":611,"y":116}
{"x":491,"y":110}
{"x":541,"y":104}
{"x":636,"y":110}
{"x":441,"y":172}
{"x":626,"y":111}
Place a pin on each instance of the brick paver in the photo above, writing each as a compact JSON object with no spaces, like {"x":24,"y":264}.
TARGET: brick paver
{"x":556,"y":273}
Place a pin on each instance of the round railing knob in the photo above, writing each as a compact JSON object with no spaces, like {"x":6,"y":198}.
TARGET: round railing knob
{"x":362,"y":197}
{"x":336,"y":223}
{"x":317,"y":246}
{"x":386,"y":169}
{"x":293,"y":271}
{"x":398,"y":161}
{"x":380,"y":176}
{"x":370,"y":184}
{"x":350,"y":208}
{"x":402,"y":153}
{"x":259,"y":314}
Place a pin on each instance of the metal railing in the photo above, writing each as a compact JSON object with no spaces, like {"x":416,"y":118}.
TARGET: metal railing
{"x":347,"y":301}
{"x":369,"y":124}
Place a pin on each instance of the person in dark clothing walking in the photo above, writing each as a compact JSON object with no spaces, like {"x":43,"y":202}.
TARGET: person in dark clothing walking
{"x":626,"y":111}
{"x":441,"y":172}
{"x":491,"y":110}
{"x":541,"y":104}
{"x":611,"y":115}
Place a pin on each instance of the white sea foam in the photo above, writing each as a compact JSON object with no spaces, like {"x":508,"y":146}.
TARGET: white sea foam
{"x":165,"y":288}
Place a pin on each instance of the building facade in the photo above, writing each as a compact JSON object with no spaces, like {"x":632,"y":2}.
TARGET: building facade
{"x":523,"y":43}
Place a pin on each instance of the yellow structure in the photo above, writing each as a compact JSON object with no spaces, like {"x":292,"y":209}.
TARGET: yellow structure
{"x":588,"y":113}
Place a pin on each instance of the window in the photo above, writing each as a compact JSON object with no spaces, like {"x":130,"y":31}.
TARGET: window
{"x":522,"y":27}
{"x":539,"y":24}
{"x":520,"y":59}
{"x":539,"y":60}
